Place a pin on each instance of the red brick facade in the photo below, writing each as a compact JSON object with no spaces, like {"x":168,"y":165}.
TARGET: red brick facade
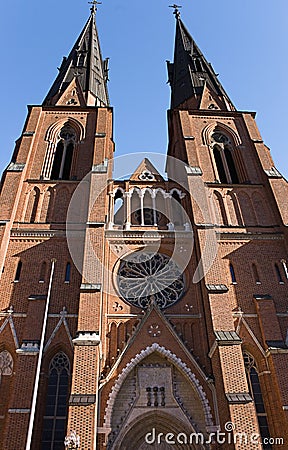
{"x":129,"y":369}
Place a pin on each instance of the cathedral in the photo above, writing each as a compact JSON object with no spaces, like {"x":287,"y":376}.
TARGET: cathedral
{"x":146,"y":312}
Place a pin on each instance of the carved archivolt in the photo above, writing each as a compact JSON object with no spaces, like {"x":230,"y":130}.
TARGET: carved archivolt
{"x":54,"y":130}
{"x":155,"y":347}
{"x":219,"y":126}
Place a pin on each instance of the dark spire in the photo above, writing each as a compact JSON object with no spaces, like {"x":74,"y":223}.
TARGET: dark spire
{"x":190,"y":73}
{"x":85,"y":64}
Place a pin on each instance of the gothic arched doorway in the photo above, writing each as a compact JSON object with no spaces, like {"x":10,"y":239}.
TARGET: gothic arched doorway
{"x":157,"y":430}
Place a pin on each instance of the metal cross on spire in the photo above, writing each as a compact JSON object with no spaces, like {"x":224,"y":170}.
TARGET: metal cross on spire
{"x":176,"y":10}
{"x":94,"y":4}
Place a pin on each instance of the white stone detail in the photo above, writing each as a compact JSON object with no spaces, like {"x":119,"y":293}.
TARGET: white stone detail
{"x":87,"y":338}
{"x":155,"y":347}
{"x":63,"y":319}
{"x":9,"y":320}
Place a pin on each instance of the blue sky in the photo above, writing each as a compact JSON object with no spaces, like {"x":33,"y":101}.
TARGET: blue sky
{"x":245,"y":41}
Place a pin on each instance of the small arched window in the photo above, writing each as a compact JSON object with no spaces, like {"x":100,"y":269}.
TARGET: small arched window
{"x":68,"y":272}
{"x":176,"y":207}
{"x":55,"y":418}
{"x":278,"y":273}
{"x":81,"y":60}
{"x":256,"y":274}
{"x":63,"y":155}
{"x":43,"y":271}
{"x":119,"y":208}
{"x":36,"y":196}
{"x":18,"y":271}
{"x":224,"y":158}
{"x":256,"y":394}
{"x":232,"y":273}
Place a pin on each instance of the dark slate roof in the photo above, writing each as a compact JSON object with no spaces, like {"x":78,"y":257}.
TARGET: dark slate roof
{"x":85,"y":62}
{"x":190,"y":70}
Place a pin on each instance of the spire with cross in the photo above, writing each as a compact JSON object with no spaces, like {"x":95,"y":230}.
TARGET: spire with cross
{"x":85,"y":64}
{"x":94,"y":4}
{"x":176,"y":10}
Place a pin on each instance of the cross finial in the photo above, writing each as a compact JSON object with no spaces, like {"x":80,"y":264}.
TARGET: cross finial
{"x":176,"y":11}
{"x":94,"y":4}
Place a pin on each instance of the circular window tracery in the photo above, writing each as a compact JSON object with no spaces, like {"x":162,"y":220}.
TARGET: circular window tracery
{"x":220,"y":138}
{"x":144,"y":278}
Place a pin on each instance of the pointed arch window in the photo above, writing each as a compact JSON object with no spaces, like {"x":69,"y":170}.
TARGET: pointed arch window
{"x":68,"y":272}
{"x":119,"y":208}
{"x":224,"y":159}
{"x":278,"y":273}
{"x":232,"y":274}
{"x":36,"y":196}
{"x":256,"y":274}
{"x":55,"y":418}
{"x":61,"y":168}
{"x":81,"y":60}
{"x":256,"y":393}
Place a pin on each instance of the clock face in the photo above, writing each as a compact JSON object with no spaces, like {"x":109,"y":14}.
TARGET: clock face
{"x":218,"y":137}
{"x":144,"y":278}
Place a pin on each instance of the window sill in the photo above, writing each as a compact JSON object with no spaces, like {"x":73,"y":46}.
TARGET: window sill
{"x":41,"y":281}
{"x":66,"y":282}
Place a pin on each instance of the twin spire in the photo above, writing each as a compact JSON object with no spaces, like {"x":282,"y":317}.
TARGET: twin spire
{"x":84,"y":64}
{"x":191,"y":76}
{"x":193,"y":81}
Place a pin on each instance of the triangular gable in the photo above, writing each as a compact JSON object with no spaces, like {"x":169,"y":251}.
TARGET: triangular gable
{"x":9,"y":333}
{"x":73,"y":95}
{"x":61,"y":327}
{"x":146,"y":172}
{"x":155,"y":327}
{"x":210,"y":100}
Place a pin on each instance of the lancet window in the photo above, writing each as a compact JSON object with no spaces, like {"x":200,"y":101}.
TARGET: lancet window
{"x":256,"y":393}
{"x":60,"y":153}
{"x":224,"y":159}
{"x":63,"y":154}
{"x":55,"y":419}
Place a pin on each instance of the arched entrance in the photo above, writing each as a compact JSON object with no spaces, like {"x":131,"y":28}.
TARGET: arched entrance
{"x":156,"y":430}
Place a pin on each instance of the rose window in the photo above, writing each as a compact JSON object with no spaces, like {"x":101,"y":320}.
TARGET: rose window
{"x":145,"y":278}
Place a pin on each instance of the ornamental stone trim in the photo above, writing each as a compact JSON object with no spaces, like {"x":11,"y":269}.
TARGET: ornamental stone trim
{"x":227,"y":338}
{"x":273,"y":173}
{"x":29,"y":348}
{"x":217,"y":288}
{"x":155,"y":347}
{"x":15,"y":167}
{"x":91,"y":287}
{"x":193,"y":170}
{"x":239,"y":398}
{"x":82,"y":399}
{"x":19,"y":411}
{"x":87,"y":338}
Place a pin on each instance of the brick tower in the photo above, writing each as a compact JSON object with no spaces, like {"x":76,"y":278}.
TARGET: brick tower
{"x":147,"y":312}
